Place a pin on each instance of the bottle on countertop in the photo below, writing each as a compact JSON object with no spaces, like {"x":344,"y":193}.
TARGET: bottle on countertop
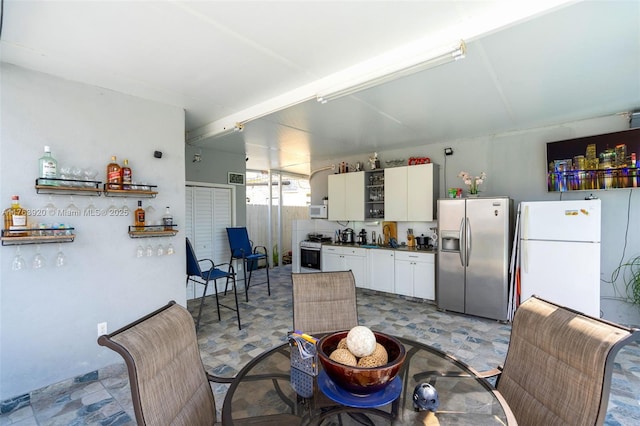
{"x":167,"y":220}
{"x":138,"y":217}
{"x":114,"y":176}
{"x":48,"y":168}
{"x":126,"y":174}
{"x":15,"y":219}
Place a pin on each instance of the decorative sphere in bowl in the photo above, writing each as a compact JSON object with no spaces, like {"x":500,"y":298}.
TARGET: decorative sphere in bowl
{"x":361,"y":380}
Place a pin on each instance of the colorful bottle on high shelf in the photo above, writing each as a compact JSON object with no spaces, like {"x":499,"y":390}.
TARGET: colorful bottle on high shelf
{"x":15,"y":219}
{"x":114,"y":177}
{"x":139,"y":217}
{"x":47,"y":168}
{"x":126,"y":173}
{"x":167,"y":220}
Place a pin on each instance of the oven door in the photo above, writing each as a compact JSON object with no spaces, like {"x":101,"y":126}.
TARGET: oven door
{"x":310,"y":258}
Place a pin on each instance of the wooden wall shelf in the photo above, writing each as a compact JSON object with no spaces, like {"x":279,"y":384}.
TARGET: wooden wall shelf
{"x":35,"y":236}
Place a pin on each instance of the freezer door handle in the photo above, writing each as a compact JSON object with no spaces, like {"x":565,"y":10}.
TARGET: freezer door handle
{"x":467,"y":241}
{"x":525,"y":223}
{"x":462,"y":251}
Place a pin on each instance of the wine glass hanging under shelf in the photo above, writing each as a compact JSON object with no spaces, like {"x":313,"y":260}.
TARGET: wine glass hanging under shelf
{"x":37,"y":236}
{"x":152,"y":231}
{"x":139,"y":190}
{"x":94,"y":187}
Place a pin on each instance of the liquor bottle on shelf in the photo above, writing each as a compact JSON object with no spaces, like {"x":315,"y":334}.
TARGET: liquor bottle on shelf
{"x":15,"y":219}
{"x":167,"y":220}
{"x":126,"y":173}
{"x":139,"y":217}
{"x":48,"y":168}
{"x":114,"y":176}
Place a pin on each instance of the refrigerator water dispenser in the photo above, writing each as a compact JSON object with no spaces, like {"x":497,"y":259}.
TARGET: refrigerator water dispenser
{"x":450,"y":240}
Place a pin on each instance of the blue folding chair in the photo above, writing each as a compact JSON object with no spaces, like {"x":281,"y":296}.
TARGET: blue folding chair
{"x":242,"y":249}
{"x":198,"y":276}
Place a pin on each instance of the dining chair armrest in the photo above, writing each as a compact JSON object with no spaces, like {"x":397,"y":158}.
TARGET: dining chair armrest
{"x":490,"y":373}
{"x":480,"y":374}
{"x":255,"y":249}
{"x":207,"y":260}
{"x":418,"y":377}
{"x":218,"y":379}
{"x":228,"y":265}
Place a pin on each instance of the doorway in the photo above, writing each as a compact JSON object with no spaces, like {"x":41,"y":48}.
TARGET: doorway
{"x":208,"y":212}
{"x":274,"y":200}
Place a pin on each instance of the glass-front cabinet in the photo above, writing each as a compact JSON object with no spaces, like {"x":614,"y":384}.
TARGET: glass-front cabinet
{"x":374,"y":195}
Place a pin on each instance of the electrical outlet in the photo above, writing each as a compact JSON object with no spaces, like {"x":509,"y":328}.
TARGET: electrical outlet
{"x":102,"y":328}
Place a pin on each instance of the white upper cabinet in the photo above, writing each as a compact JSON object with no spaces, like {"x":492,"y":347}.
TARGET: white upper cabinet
{"x":411,"y":193}
{"x":346,"y":196}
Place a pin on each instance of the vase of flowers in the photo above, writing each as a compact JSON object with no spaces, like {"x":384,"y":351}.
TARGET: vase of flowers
{"x":472,"y":182}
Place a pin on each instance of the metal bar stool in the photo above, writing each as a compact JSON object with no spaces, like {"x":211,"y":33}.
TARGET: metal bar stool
{"x":197,"y":275}
{"x":242,"y":249}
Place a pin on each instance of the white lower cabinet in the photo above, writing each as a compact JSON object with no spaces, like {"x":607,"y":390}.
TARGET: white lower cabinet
{"x":415,"y":274}
{"x":392,"y":271}
{"x":381,"y":270}
{"x":336,"y":258}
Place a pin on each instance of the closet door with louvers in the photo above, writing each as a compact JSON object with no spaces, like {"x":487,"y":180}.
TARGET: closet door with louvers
{"x":208,"y":214}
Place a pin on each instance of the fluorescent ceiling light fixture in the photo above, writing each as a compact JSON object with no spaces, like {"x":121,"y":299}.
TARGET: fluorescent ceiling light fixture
{"x":217,"y":133}
{"x":395,"y":68}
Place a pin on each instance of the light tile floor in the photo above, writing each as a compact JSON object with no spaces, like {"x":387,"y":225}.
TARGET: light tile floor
{"x":103,"y":397}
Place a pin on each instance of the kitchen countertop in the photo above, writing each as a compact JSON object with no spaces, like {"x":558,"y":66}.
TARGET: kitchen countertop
{"x":369,"y":246}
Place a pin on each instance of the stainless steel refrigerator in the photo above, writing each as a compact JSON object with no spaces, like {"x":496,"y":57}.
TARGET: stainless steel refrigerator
{"x":473,"y":256}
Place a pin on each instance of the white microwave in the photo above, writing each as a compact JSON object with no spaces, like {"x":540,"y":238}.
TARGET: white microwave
{"x":318,"y":212}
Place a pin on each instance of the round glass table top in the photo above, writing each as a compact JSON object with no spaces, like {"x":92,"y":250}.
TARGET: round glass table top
{"x":269,"y":391}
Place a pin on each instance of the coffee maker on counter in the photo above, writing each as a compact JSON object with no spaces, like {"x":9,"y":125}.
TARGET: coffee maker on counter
{"x":362,"y":237}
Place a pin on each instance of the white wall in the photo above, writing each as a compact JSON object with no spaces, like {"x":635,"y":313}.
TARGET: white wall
{"x":214,"y":168}
{"x":48,"y":317}
{"x":515,"y":164}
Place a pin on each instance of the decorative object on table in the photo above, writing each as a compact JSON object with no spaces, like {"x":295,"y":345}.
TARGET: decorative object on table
{"x":361,"y":341}
{"x":473,"y":181}
{"x":304,"y":356}
{"x":361,"y":380}
{"x":304,"y":362}
{"x":425,"y":397}
{"x":375,"y":399}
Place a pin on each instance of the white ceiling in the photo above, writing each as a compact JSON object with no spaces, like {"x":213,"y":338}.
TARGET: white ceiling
{"x":528,"y":64}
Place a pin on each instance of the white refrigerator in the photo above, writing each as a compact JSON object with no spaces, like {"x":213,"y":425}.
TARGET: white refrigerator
{"x":560,"y":253}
